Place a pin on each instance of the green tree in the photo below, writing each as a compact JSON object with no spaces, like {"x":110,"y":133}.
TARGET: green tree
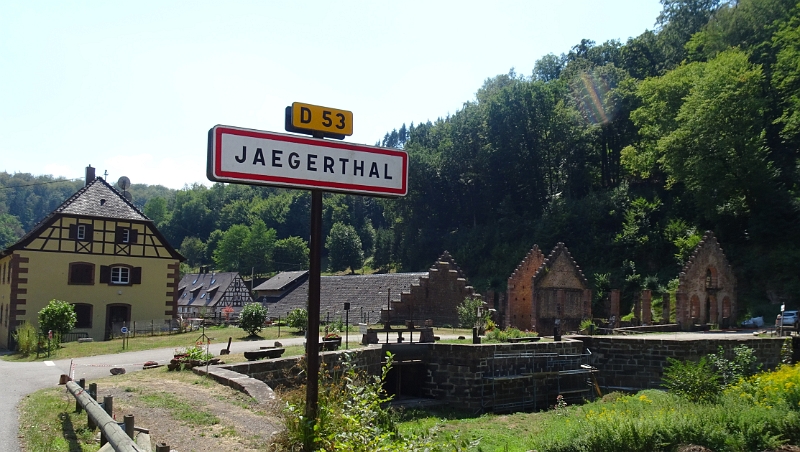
{"x":230,"y":254}
{"x":383,"y":248}
{"x":58,"y":316}
{"x":344,"y":248}
{"x":297,"y":318}
{"x":290,"y":253}
{"x":10,"y":230}
{"x":367,"y":236}
{"x":258,"y":247}
{"x":252,"y":318}
{"x":194,"y":250}
{"x":156,"y":210}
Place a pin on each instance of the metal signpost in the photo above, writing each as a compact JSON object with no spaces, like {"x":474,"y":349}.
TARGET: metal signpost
{"x":246,"y":156}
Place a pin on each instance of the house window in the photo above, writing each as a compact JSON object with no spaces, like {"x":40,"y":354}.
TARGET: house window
{"x":81,"y":273}
{"x":81,"y":232}
{"x":126,"y":235}
{"x":120,"y":275}
{"x":83,"y":312}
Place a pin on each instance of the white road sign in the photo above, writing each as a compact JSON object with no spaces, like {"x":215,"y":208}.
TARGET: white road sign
{"x":268,"y":158}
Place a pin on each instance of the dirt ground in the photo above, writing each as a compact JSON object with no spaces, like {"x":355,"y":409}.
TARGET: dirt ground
{"x":190,"y":413}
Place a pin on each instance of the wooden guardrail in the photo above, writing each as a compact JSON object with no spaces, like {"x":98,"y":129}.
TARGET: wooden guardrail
{"x":112,"y":434}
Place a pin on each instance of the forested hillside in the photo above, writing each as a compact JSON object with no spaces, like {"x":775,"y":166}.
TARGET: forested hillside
{"x":624,"y":151}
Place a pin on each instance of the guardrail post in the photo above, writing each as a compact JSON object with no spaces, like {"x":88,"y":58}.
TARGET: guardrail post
{"x":129,"y":425}
{"x":162,"y":447}
{"x":82,"y":384}
{"x":108,"y":407}
{"x":93,"y":394}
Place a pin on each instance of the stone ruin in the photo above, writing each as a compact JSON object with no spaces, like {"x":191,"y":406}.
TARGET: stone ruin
{"x":545,"y":292}
{"x":707,"y":288}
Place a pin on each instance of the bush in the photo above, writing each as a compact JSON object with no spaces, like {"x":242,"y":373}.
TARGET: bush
{"x":252,"y":318}
{"x":742,"y":365}
{"x":352,"y":415}
{"x":26,"y":338}
{"x":696,"y":381}
{"x":468,"y":313}
{"x":58,"y":316}
{"x":297,"y":318}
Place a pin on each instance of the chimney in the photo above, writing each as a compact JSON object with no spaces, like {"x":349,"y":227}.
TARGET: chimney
{"x":89,"y":175}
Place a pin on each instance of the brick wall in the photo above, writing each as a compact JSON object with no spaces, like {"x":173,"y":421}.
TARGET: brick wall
{"x":519,"y":310}
{"x":628,"y":362}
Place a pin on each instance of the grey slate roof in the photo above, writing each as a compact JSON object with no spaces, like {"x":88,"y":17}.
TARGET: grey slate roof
{"x":99,"y":199}
{"x":194,"y":287}
{"x":281,"y":280}
{"x":369,"y":292}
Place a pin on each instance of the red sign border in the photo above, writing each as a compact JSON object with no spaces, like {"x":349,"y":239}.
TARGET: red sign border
{"x":215,"y":172}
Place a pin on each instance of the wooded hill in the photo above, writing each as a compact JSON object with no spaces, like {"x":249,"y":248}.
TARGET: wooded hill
{"x":626,"y":152}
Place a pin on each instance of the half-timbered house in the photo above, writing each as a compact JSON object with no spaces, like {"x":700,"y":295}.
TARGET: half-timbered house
{"x":96,"y":251}
{"x":211,"y":294}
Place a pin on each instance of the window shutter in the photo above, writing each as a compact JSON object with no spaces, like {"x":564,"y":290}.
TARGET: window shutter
{"x":89,"y":232}
{"x":136,"y":275}
{"x":118,"y":236}
{"x":105,"y":274}
{"x":73,"y":231}
{"x":134,"y":235}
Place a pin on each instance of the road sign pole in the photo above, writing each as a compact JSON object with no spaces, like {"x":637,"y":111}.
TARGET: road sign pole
{"x":312,"y":338}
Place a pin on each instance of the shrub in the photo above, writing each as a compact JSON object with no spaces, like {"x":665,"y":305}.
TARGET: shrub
{"x":252,"y":318}
{"x":468,"y":313}
{"x":696,"y":381}
{"x":351,"y":414}
{"x":742,"y":365}
{"x":26,"y":338}
{"x":58,"y":316}
{"x":297,"y":318}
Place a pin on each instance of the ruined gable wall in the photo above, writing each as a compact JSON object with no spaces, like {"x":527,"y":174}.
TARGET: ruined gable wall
{"x":520,"y":290}
{"x":708,"y":254}
{"x":435,"y":298}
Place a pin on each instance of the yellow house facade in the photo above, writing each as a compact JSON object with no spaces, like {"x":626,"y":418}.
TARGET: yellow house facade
{"x":96,"y":251}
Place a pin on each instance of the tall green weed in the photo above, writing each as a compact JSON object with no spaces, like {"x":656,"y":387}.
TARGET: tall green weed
{"x":26,"y":338}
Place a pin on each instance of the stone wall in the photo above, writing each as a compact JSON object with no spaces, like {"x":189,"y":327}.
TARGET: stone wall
{"x":560,"y":293}
{"x":635,"y":363}
{"x":288,"y":372}
{"x":455,"y":372}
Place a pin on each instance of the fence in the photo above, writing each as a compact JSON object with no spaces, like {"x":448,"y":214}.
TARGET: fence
{"x":148,"y":328}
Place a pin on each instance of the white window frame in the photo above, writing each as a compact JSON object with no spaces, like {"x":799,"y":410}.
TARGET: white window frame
{"x":81,"y":232}
{"x":126,"y":235}
{"x":120,"y":275}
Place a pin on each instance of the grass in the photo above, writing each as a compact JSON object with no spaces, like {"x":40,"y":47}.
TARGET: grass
{"x":179,"y":409}
{"x":48,"y":422}
{"x":217,"y":334}
{"x":760,"y":413}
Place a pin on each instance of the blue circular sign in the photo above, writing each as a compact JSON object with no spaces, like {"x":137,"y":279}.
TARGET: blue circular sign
{"x":124,"y":330}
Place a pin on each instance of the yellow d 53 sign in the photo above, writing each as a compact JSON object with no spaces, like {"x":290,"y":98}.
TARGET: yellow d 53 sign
{"x":322,"y":119}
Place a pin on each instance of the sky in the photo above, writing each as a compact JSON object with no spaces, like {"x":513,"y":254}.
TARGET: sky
{"x":132,"y":88}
